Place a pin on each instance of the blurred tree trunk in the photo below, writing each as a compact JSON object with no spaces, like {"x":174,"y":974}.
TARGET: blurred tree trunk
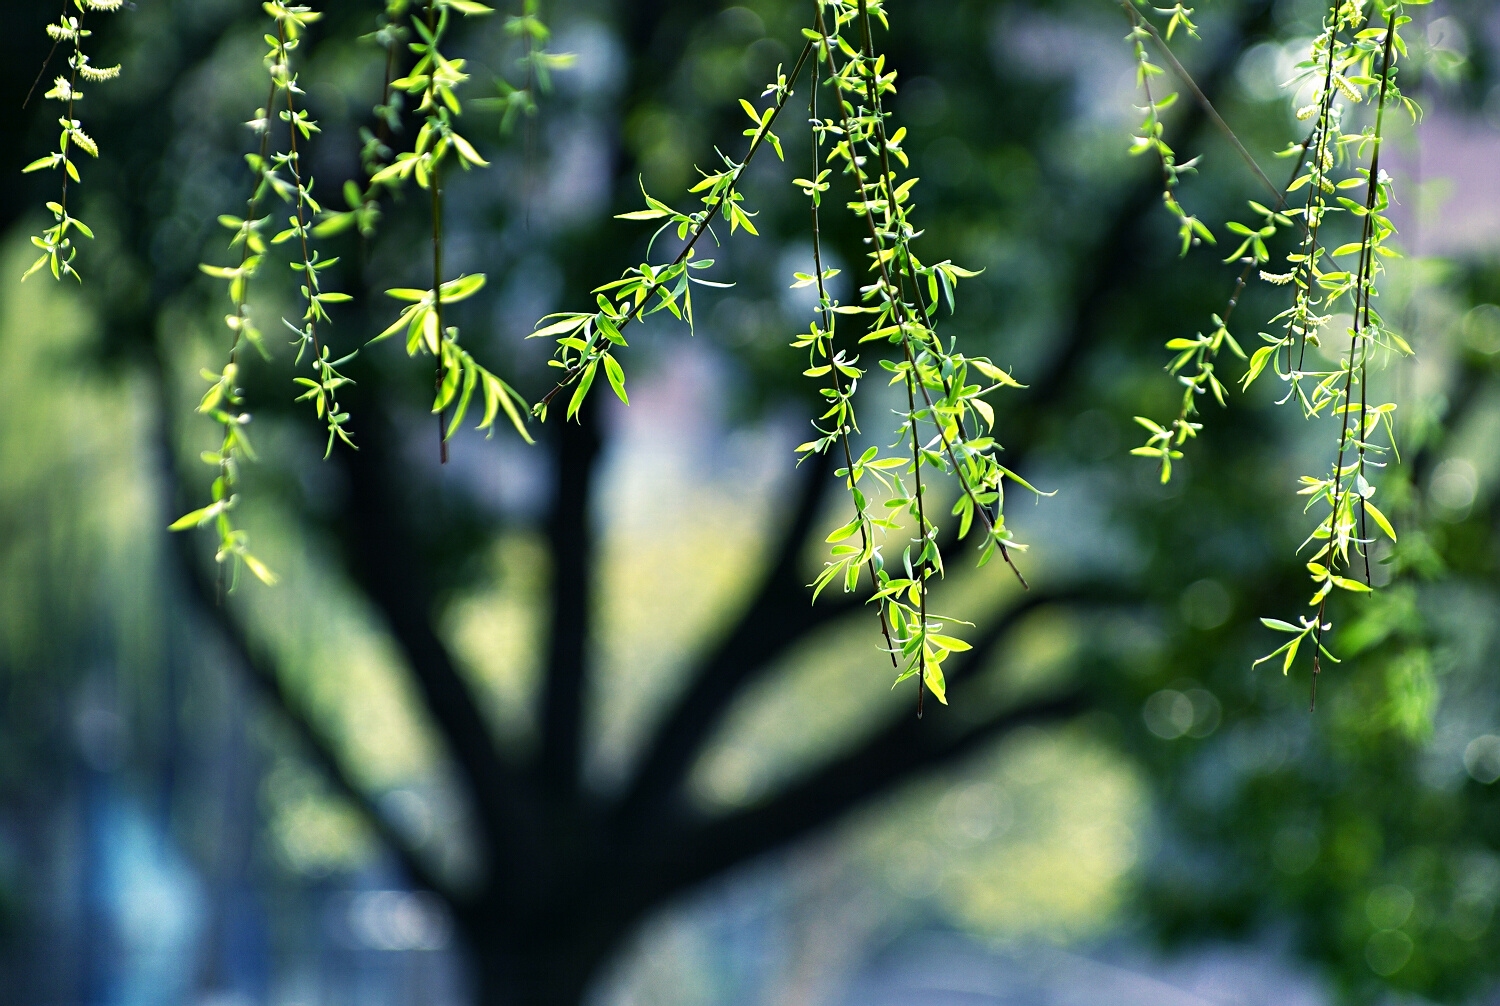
{"x":569,"y":872}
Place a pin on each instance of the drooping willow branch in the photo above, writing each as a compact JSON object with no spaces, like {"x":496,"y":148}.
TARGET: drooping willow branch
{"x":223,"y":400}
{"x":930,"y":371}
{"x":281,"y":172}
{"x":58,"y":249}
{"x":375,"y":153}
{"x":935,"y":376}
{"x":1341,"y":67}
{"x":514,"y":102}
{"x":819,"y":341}
{"x":1367,"y":333}
{"x":436,"y":78}
{"x":585,"y":340}
{"x":1190,"y":230}
{"x":1356,"y":64}
{"x":1164,"y":443}
{"x":1181,"y":15}
{"x":322,"y":387}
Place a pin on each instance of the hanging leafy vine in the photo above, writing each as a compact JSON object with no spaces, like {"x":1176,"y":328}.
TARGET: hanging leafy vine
{"x":587,"y":340}
{"x":58,"y":249}
{"x":322,"y":387}
{"x":223,"y":401}
{"x":901,"y":303}
{"x":1190,"y":230}
{"x":1358,"y":65}
{"x":375,"y":152}
{"x":824,"y":358}
{"x":1164,"y":443}
{"x":436,"y":78}
{"x":1351,"y":62}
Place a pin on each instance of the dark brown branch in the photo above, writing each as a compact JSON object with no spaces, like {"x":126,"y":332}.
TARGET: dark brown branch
{"x":261,"y":671}
{"x":382,"y":556}
{"x":571,"y":540}
{"x":903,"y":748}
{"x":779,"y":616}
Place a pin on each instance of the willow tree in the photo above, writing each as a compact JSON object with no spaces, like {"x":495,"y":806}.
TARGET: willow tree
{"x":570,"y":869}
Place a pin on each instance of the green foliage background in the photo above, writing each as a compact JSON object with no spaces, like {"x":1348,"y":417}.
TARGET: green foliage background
{"x":1196,"y":800}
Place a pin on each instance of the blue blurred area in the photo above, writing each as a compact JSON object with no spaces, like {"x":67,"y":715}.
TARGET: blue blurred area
{"x":944,"y":970}
{"x":142,"y":906}
{"x":120,"y":916}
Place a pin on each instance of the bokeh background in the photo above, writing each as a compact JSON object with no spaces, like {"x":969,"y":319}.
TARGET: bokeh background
{"x":242,"y":803}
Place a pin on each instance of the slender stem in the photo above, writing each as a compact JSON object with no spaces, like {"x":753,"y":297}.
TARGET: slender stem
{"x":251,"y":205}
{"x":899,"y":306}
{"x":1239,"y":288}
{"x":1315,"y":200}
{"x":825,"y":305}
{"x":437,"y":297}
{"x":1367,"y":270}
{"x":436,"y":186}
{"x":1167,"y":180}
{"x":923,"y":566}
{"x":226,"y":471}
{"x":310,"y":276}
{"x":382,"y":137}
{"x":72,"y":98}
{"x":1359,"y":344}
{"x":916,"y":447}
{"x":46,"y":62}
{"x":1201,"y":98}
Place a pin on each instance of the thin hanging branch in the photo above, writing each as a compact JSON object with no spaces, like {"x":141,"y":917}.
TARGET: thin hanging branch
{"x":278,"y":172}
{"x":821,"y":346}
{"x":1180,"y":16}
{"x":58,"y":249}
{"x":902,"y":235}
{"x":224,"y":400}
{"x":1340,"y":66}
{"x":1191,"y":230}
{"x":585,"y":340}
{"x":1164,"y":443}
{"x":322,"y":388}
{"x":375,"y":152}
{"x":934,"y":375}
{"x":437,"y":79}
{"x":1348,"y":66}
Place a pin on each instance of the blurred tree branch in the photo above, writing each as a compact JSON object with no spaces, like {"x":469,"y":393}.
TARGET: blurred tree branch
{"x":571,"y":543}
{"x":263,"y":672}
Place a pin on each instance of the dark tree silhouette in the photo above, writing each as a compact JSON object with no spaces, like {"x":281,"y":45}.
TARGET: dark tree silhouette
{"x":568,"y":872}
